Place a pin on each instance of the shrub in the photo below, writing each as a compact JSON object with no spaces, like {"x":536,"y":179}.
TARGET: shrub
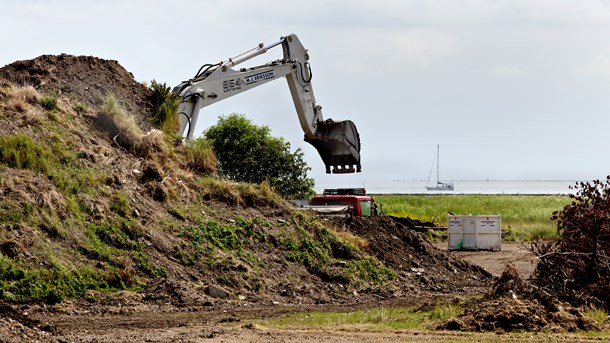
{"x":248,"y":153}
{"x":165,"y":106}
{"x":586,"y":221}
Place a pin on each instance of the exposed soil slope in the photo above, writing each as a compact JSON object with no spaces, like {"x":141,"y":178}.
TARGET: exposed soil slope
{"x":84,"y":79}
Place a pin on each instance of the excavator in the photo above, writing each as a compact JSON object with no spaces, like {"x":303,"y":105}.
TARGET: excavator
{"x":337,"y":142}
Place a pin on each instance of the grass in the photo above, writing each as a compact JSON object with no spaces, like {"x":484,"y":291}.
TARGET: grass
{"x":597,"y":314}
{"x":49,"y":102}
{"x":199,"y":156}
{"x":20,"y":151}
{"x":377,"y":318}
{"x":524,"y":217}
{"x":20,"y":282}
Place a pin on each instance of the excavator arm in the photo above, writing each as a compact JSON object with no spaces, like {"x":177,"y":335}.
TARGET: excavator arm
{"x":337,"y":142}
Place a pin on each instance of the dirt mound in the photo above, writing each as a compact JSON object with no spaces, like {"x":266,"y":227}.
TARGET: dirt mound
{"x":16,"y":323}
{"x":512,"y":306}
{"x":411,"y":254}
{"x":519,"y":315}
{"x":86,"y":79}
{"x":515,"y":315}
{"x":89,"y":79}
{"x":509,"y":282}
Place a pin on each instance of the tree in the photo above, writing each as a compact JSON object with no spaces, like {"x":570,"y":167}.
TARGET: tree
{"x":248,"y":153}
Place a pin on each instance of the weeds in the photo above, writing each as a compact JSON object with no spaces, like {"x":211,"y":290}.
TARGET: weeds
{"x":26,"y":93}
{"x":122,"y":127}
{"x":11,"y":213}
{"x":200,"y":157}
{"x":597,"y":314}
{"x":369,"y":269}
{"x":444,"y":311}
{"x":20,"y":151}
{"x":120,"y":204}
{"x":79,"y":107}
{"x":49,"y":102}
{"x":315,"y":246}
{"x":24,"y":283}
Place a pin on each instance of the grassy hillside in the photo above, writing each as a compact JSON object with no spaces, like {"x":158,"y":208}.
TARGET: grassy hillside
{"x":91,"y":203}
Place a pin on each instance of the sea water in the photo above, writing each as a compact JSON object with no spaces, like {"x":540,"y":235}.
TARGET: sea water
{"x":464,"y":187}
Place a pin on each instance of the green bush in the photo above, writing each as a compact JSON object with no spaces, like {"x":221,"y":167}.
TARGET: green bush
{"x":248,"y":153}
{"x":165,"y":107}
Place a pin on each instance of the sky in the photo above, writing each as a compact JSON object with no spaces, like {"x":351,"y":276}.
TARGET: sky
{"x":510,"y":90}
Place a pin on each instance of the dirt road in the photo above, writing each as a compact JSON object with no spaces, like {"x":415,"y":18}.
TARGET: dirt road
{"x":494,"y":261}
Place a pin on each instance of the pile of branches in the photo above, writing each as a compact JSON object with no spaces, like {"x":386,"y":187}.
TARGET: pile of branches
{"x":576,"y":268}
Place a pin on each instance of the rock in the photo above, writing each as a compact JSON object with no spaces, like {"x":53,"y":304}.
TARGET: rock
{"x":217,"y":292}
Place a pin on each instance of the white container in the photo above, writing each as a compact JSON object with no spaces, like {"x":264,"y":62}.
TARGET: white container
{"x":480,"y":232}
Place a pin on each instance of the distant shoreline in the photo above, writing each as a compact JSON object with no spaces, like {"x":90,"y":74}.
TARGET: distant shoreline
{"x":469,"y":194}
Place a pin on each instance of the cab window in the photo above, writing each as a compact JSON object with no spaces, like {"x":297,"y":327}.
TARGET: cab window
{"x":365,"y":206}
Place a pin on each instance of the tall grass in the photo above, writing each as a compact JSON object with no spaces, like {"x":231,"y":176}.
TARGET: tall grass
{"x":528,"y":216}
{"x":200,"y":156}
{"x":126,"y":132}
{"x":379,"y":318}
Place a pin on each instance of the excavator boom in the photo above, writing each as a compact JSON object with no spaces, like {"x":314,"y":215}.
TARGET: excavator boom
{"x":337,"y":142}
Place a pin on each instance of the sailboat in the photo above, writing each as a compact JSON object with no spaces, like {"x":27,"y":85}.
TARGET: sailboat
{"x":440,"y":186}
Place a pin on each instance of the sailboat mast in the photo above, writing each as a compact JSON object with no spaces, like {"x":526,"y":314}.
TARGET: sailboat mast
{"x":438,"y":161}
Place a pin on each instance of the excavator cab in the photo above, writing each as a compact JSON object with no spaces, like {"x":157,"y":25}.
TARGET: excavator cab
{"x":338,"y":144}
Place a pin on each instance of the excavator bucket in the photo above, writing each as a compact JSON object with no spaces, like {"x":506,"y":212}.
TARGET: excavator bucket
{"x":338,"y":144}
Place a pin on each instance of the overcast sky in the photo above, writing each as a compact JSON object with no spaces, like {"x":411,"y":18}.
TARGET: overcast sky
{"x":509,"y":89}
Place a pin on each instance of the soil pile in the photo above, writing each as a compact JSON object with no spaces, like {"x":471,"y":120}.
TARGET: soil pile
{"x":513,"y":307}
{"x":16,"y":324}
{"x":85,"y":79}
{"x":517,"y":315}
{"x":419,"y":263}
